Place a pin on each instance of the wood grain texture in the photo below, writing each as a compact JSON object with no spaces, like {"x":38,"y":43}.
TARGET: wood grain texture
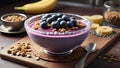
{"x":101,"y":42}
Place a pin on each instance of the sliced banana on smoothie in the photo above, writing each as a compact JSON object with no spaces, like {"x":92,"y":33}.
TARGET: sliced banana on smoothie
{"x":94,"y":26}
{"x":104,"y":30}
{"x":98,"y":19}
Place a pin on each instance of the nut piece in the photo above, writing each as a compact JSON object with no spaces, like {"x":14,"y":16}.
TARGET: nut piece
{"x":74,"y":28}
{"x":23,"y":54}
{"x":37,"y":58}
{"x":14,"y":52}
{"x":9,"y":51}
{"x":2,"y":47}
{"x":18,"y":53}
{"x":35,"y":27}
{"x":29,"y":56}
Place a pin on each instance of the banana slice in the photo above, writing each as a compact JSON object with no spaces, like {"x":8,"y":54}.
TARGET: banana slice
{"x":94,"y":26}
{"x":104,"y":30}
{"x":87,"y":17}
{"x":98,"y":19}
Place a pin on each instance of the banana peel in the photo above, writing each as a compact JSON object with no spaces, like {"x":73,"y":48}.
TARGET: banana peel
{"x":38,"y":7}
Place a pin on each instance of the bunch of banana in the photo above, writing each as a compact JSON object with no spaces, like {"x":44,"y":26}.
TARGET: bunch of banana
{"x":94,"y":26}
{"x":104,"y":30}
{"x":98,"y":19}
{"x":38,"y":7}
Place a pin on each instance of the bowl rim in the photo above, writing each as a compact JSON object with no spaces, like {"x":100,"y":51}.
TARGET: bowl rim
{"x":8,"y":14}
{"x":56,"y":36}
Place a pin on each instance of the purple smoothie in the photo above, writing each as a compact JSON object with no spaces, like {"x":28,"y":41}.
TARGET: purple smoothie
{"x":57,"y":43}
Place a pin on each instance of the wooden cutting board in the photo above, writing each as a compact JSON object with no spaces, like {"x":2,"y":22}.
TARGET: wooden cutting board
{"x":102,"y":43}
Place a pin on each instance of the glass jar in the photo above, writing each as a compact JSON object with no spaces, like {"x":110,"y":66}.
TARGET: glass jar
{"x":112,"y":12}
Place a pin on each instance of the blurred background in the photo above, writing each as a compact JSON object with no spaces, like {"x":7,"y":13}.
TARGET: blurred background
{"x":82,"y":3}
{"x":88,"y":3}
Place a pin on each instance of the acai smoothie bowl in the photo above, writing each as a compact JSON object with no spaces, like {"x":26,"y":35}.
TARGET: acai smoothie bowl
{"x":58,"y":33}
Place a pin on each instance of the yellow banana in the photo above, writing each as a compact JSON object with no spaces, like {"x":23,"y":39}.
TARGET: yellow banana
{"x":104,"y":30}
{"x":98,"y":19}
{"x":94,"y":26}
{"x":38,"y":7}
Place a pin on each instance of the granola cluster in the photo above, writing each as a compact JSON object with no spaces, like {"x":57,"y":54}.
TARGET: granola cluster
{"x":21,"y":49}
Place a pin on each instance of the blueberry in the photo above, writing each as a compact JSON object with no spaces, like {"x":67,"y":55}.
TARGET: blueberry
{"x":55,"y":17}
{"x":59,"y":15}
{"x":74,"y":22}
{"x":46,"y":16}
{"x":50,"y":19}
{"x":43,"y":19}
{"x":66,"y":18}
{"x":69,"y":24}
{"x":55,"y":24}
{"x":44,"y":25}
{"x":72,"y":18}
{"x":63,"y":24}
{"x":60,"y":19}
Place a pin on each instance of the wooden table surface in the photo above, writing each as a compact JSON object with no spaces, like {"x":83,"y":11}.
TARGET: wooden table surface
{"x":7,"y":39}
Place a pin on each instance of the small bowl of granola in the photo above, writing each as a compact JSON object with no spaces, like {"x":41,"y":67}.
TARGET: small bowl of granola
{"x":13,"y":21}
{"x":112,"y":12}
